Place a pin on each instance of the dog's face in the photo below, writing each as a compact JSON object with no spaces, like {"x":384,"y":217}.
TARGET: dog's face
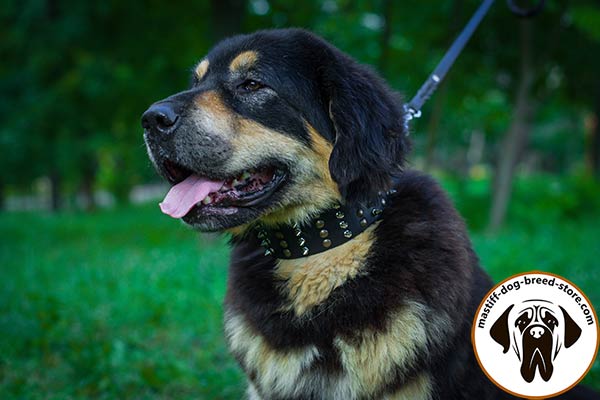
{"x":276,"y":126}
{"x":537,"y":331}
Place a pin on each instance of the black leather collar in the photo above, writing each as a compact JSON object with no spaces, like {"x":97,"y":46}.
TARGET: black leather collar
{"x":327,"y":230}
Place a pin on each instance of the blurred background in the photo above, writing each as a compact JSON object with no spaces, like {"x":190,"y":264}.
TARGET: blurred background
{"x":103,"y":296}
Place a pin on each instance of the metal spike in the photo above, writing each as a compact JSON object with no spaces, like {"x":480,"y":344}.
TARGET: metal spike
{"x":375,"y":211}
{"x":305,"y":251}
{"x":301,"y":241}
{"x":268,"y":252}
{"x":360,"y":212}
{"x":339,"y":215}
{"x":363,"y":223}
{"x":343,"y":224}
{"x":348,"y":233}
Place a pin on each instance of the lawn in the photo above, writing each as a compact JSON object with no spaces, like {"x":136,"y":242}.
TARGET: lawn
{"x":126,"y":303}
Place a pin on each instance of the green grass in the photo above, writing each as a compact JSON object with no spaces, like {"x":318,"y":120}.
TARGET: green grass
{"x":126,"y":303}
{"x":117,"y":304}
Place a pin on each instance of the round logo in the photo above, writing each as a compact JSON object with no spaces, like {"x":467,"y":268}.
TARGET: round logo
{"x":535,"y":335}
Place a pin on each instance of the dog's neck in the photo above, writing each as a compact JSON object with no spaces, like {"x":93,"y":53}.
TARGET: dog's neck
{"x":327,"y":230}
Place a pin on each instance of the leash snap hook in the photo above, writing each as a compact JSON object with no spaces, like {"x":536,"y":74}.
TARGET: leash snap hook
{"x":525,"y":12}
{"x":411,"y":113}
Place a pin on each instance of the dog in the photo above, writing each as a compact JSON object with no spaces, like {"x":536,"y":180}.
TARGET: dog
{"x":351,"y":277}
{"x":538,"y":329}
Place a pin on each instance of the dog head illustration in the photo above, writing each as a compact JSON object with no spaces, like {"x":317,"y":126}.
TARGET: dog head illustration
{"x":537,"y":330}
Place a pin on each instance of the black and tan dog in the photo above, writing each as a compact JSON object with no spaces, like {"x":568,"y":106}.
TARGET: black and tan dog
{"x":350,"y":278}
{"x":537,"y":330}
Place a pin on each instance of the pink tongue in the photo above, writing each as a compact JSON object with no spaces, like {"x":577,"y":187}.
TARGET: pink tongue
{"x":185,"y":195}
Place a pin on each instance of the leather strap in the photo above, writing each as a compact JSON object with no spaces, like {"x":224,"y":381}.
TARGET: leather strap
{"x":327,"y":230}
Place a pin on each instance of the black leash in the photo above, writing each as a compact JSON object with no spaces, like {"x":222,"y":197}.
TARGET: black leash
{"x":413,"y":108}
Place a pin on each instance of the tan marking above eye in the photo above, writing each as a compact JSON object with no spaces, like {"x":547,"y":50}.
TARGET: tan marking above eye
{"x":201,"y":69}
{"x":243,"y":60}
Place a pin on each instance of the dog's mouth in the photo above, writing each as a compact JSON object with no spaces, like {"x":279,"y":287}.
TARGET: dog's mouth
{"x":194,"y":194}
{"x":537,"y":355}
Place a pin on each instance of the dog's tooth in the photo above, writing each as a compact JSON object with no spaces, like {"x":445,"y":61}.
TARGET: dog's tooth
{"x":246,"y":175}
{"x":207,"y":200}
{"x":235,"y":182}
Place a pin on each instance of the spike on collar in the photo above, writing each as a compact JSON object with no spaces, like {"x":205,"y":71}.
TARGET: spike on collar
{"x":327,"y":230}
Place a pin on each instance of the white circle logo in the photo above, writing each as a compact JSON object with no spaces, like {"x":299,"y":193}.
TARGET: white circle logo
{"x":535,"y":335}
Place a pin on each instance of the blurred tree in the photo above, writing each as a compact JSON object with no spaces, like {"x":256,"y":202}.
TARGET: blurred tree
{"x":515,"y":140}
{"x":581,"y":72}
{"x":76,"y":76}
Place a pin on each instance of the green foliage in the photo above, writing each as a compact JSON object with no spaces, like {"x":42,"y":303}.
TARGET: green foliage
{"x":536,"y":199}
{"x":76,"y":76}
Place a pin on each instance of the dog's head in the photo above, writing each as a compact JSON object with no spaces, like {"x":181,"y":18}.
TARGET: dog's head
{"x":276,"y":126}
{"x":537,"y":330}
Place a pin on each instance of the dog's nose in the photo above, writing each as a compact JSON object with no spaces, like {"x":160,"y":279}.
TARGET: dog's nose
{"x":536,"y":332}
{"x":160,"y":119}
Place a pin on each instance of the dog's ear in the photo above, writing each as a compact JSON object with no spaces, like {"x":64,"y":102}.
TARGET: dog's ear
{"x":368,"y":123}
{"x":500,"y":332}
{"x":572,"y":330}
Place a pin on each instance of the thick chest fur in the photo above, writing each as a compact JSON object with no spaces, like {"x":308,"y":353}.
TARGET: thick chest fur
{"x":366,"y":361}
{"x":369,"y":363}
{"x":387,"y":317}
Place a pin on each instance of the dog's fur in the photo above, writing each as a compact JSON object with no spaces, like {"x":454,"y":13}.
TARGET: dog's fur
{"x":386,"y":315}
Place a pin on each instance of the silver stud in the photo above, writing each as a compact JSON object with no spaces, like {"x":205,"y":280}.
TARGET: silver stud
{"x":320,"y":223}
{"x":348,"y":233}
{"x":326,"y":243}
{"x":287,"y":253}
{"x":343,"y":224}
{"x":268,"y":252}
{"x":301,"y":241}
{"x":375,"y":211}
{"x":324,"y":233}
{"x":360,"y":212}
{"x":283,"y":244}
{"x":339,"y":215}
{"x":305,"y":251}
{"x":279,"y":235}
{"x":363,"y":223}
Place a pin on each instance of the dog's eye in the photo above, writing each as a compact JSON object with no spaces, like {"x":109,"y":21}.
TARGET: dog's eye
{"x":251,"y":85}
